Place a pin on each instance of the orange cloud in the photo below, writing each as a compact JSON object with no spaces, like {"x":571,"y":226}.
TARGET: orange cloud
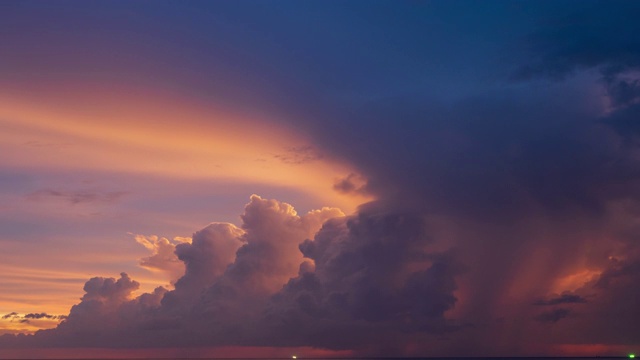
{"x":144,"y":132}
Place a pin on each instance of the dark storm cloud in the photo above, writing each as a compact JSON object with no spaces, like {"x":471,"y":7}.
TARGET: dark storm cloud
{"x":518,"y":168}
{"x":600,"y":35}
{"x":626,"y":123}
{"x":553,"y":316}
{"x":370,"y":278}
{"x":562,"y":299}
{"x":610,"y":315}
{"x":619,"y":271}
{"x":516,"y":151}
{"x":624,"y":91}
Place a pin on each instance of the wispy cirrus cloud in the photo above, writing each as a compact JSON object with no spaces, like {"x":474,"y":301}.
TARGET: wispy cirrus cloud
{"x":297,"y":155}
{"x":78,"y":197}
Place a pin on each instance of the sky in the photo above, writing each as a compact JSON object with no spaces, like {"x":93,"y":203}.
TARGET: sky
{"x":319,"y":178}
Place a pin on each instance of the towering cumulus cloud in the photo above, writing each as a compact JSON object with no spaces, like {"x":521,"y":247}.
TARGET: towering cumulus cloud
{"x":322,"y":279}
{"x":370,"y":278}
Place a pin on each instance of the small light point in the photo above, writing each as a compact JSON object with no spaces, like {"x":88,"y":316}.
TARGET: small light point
{"x":294,"y":357}
{"x":632,"y":356}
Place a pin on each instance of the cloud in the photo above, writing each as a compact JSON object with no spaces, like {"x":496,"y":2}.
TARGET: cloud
{"x":77,"y":197}
{"x":624,"y":89}
{"x":10,"y":315}
{"x":598,"y":35}
{"x":609,"y":317}
{"x":35,"y":317}
{"x":163,"y":257}
{"x":350,"y":184}
{"x":108,"y":290}
{"x":368,"y":278}
{"x":265,"y":262}
{"x":553,"y":316}
{"x":299,"y":155}
{"x":44,"y":316}
{"x":523,"y":183}
{"x":206,"y":258}
{"x":531,"y":185}
{"x":281,"y":279}
{"x":230,"y":274}
{"x":562,"y":299}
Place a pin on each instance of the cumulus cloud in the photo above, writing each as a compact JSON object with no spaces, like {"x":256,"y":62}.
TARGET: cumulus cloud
{"x":320,"y":279}
{"x":163,"y":256}
{"x":206,"y":258}
{"x":376,"y":281}
{"x":368,"y":278}
{"x":230,"y":274}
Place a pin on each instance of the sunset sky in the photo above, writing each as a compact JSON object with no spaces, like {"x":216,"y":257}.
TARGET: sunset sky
{"x":320,"y":178}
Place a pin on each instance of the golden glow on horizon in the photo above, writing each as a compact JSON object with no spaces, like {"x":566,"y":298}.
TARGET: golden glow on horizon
{"x":25,"y":325}
{"x":57,"y":290}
